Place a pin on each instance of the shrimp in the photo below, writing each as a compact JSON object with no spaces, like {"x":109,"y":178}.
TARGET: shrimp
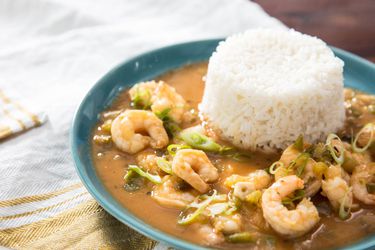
{"x":289,"y":155}
{"x":160,"y":97}
{"x":244,"y":185}
{"x":129,"y":127}
{"x":147,"y":161}
{"x":228,"y":224}
{"x":169,"y":194}
{"x":209,"y":234}
{"x":361,"y":177}
{"x":336,"y":187}
{"x":195,"y":168}
{"x":352,"y":159}
{"x":311,"y":180}
{"x":291,"y":223}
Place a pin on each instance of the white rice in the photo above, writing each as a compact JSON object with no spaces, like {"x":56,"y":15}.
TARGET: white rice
{"x":266,"y":87}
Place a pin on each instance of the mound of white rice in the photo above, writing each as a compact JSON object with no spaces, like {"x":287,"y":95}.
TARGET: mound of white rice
{"x":266,"y":87}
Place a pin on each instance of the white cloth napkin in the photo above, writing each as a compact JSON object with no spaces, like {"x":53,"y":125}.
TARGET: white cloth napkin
{"x":53,"y":51}
{"x":15,"y":116}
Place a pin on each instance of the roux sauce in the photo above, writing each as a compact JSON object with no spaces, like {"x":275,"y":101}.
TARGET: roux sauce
{"x":111,"y":166}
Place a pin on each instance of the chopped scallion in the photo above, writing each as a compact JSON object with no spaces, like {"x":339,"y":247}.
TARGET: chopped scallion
{"x":345,"y":209}
{"x":243,"y":237}
{"x":153,"y":178}
{"x":298,"y":195}
{"x":132,"y":183}
{"x":163,"y":115}
{"x":190,"y":218}
{"x":273,"y":168}
{"x":164,"y":165}
{"x":337,"y":148}
{"x":199,"y":141}
{"x":299,"y":144}
{"x":173,"y":148}
{"x":300,"y":163}
{"x":141,"y":99}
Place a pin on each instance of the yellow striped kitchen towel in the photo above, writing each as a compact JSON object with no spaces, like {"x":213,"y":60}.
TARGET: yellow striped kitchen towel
{"x":16,"y":116}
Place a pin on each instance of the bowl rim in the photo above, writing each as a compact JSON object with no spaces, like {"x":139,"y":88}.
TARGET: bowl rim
{"x":127,"y":217}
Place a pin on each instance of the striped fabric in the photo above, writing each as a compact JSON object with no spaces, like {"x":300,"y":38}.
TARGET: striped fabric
{"x":15,"y":117}
{"x":66,"y":218}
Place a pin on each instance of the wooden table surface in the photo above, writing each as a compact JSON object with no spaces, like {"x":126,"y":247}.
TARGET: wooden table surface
{"x":347,"y":24}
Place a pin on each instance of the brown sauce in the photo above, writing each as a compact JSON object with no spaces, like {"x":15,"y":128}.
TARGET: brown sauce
{"x":111,"y":165}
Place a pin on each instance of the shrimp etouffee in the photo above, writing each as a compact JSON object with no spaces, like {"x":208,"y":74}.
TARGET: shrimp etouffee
{"x":159,"y":160}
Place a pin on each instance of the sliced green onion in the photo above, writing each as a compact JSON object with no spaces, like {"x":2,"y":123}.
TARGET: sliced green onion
{"x":190,"y":218}
{"x":344,"y":211}
{"x":172,"y":128}
{"x":254,"y":197}
{"x":141,"y":99}
{"x":332,"y":149}
{"x":298,"y":195}
{"x":301,"y":163}
{"x":173,"y":148}
{"x":131,"y":183}
{"x":243,"y":237}
{"x":129,"y":174}
{"x":298,"y":144}
{"x":354,"y":143}
{"x":370,"y":188}
{"x":164,"y":165}
{"x":153,"y":178}
{"x":273,"y":168}
{"x":163,"y":115}
{"x":199,"y":141}
{"x":234,"y":203}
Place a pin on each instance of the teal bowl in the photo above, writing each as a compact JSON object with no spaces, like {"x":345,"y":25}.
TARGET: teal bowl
{"x":358,"y":73}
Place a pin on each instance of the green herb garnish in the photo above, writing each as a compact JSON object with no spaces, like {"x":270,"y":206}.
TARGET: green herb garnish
{"x":153,"y":178}
{"x":345,"y":209}
{"x":243,"y":237}
{"x":298,"y":195}
{"x":336,"y":149}
{"x":164,"y":165}
{"x":141,"y":99}
{"x":199,"y":141}
{"x":190,"y":218}
{"x":299,"y":144}
{"x":173,"y":148}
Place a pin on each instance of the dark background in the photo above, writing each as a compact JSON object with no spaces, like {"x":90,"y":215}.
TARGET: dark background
{"x":347,"y":24}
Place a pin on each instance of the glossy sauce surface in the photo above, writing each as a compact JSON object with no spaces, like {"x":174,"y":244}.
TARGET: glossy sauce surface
{"x":111,"y":165}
